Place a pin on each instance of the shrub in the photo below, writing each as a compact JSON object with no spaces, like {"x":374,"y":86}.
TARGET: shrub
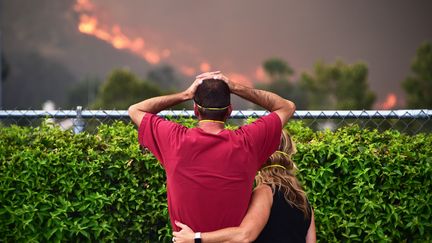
{"x":364,"y":185}
{"x":59,"y":186}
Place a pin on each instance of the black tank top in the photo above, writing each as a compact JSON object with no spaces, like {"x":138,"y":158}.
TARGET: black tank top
{"x":285,"y":224}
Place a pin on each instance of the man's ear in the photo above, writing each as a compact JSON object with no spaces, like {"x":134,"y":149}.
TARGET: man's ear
{"x":196,"y":112}
{"x":228,"y":112}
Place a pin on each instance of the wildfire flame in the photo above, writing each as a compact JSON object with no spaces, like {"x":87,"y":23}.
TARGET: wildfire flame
{"x":189,"y":71}
{"x":260,"y":75}
{"x":205,"y":67}
{"x":390,"y":102}
{"x":90,"y":24}
{"x":83,"y":5}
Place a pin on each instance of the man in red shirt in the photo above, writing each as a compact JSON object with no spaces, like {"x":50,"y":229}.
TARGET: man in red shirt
{"x":210,"y":170}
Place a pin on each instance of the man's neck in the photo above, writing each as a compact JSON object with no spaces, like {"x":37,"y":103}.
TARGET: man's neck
{"x":209,"y":126}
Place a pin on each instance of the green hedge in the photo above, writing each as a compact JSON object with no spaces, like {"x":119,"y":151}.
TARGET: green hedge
{"x":59,"y":186}
{"x":364,"y":185}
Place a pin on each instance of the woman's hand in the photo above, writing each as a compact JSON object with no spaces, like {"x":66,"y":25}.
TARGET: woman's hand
{"x":185,"y":235}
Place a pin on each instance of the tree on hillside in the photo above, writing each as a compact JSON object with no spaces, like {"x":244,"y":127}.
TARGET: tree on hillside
{"x":277,"y":69}
{"x":279,"y":72}
{"x":122,"y":89}
{"x":338,"y":86}
{"x":418,"y":86}
{"x":165,"y":77}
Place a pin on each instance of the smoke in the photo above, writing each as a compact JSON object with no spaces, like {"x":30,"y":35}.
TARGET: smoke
{"x":91,"y":24}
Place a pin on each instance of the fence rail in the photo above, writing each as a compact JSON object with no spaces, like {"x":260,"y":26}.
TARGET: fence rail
{"x":409,"y":121}
{"x":236,"y":114}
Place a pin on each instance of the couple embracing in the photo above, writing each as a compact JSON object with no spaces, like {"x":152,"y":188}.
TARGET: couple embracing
{"x":211,"y":170}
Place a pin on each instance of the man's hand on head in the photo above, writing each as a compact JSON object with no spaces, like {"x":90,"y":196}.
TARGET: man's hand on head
{"x":190,"y":92}
{"x":227,"y":81}
{"x":208,"y":75}
{"x":217,"y":75}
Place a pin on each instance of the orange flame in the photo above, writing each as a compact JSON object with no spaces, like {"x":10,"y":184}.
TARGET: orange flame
{"x":260,"y":75}
{"x":390,"y":102}
{"x":188,"y":71}
{"x":205,"y":67}
{"x":87,"y":24}
{"x":90,"y":24}
{"x":83,"y":5}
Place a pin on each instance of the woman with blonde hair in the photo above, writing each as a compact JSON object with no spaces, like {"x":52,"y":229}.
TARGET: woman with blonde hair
{"x":279,"y":210}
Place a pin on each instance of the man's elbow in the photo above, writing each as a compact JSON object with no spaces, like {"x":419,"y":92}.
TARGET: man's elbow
{"x":135,"y":114}
{"x":290,"y":107}
{"x":131,"y":110}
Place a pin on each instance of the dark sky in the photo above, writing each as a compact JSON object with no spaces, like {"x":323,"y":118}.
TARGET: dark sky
{"x":237,"y":36}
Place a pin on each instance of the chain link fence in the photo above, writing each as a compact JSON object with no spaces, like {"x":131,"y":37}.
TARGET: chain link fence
{"x":406,"y":121}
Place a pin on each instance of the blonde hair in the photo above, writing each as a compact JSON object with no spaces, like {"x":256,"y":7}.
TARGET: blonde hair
{"x":279,"y":173}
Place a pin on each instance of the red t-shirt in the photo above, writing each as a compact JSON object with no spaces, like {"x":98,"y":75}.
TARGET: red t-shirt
{"x":209,"y":177}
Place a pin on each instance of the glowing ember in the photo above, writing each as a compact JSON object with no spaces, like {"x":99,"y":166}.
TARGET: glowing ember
{"x":137,"y":44}
{"x":240,"y":78}
{"x":205,"y":67}
{"x":390,"y":102}
{"x":83,"y":5}
{"x":152,"y":57}
{"x":103,"y":35}
{"x":260,"y":75}
{"x":87,"y":24}
{"x":188,"y":71}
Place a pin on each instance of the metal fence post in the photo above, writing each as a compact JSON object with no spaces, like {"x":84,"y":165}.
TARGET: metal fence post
{"x":78,"y":122}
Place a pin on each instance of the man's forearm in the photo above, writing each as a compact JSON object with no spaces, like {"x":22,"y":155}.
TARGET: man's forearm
{"x":160,"y":103}
{"x":155,"y":105}
{"x":265,"y":99}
